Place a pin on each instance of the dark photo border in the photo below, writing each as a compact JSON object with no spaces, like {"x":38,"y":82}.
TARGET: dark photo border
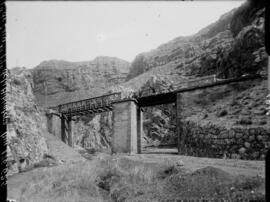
{"x":3,"y":191}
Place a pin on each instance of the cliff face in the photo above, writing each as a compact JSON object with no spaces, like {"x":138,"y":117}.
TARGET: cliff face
{"x":25,"y":123}
{"x":58,"y":82}
{"x":28,"y":143}
{"x":232,"y":46}
{"x":182,"y":51}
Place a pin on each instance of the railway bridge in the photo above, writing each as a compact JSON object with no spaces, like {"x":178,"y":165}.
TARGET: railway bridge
{"x":127,"y":112}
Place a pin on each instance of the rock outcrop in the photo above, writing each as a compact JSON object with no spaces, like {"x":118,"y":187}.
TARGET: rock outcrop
{"x":159,"y":121}
{"x":230,"y":47}
{"x":94,"y":132}
{"x":29,"y":144}
{"x":182,"y":51}
{"x":26,"y":143}
{"x":58,"y":82}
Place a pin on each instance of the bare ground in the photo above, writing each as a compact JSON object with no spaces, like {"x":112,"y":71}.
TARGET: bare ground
{"x":152,"y":177}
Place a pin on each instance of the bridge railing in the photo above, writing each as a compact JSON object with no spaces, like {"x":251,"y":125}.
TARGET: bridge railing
{"x":105,"y":101}
{"x":90,"y":104}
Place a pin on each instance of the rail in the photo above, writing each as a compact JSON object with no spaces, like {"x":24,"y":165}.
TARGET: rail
{"x":104,"y":101}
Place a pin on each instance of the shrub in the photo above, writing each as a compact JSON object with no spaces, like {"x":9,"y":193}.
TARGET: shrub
{"x":221,"y":113}
{"x":244,"y":121}
{"x":244,"y":15}
{"x":17,"y":82}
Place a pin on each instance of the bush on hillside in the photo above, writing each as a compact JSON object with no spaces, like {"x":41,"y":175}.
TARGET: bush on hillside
{"x":245,"y":15}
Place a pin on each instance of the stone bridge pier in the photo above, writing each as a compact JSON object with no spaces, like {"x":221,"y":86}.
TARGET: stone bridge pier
{"x":66,"y":130}
{"x":127,"y":127}
{"x":61,"y":127}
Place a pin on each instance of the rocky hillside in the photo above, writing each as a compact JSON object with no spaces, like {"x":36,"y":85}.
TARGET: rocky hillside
{"x":29,"y":144}
{"x":226,"y":121}
{"x":94,"y":132}
{"x":232,"y":46}
{"x":58,"y":81}
{"x":25,"y":128}
{"x":182,"y":51}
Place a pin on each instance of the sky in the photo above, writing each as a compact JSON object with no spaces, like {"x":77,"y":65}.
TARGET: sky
{"x":81,"y":31}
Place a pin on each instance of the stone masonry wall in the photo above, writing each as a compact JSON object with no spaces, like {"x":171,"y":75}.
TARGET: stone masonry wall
{"x":218,"y":142}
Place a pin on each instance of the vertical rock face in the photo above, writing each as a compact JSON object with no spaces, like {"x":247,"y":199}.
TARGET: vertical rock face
{"x":94,"y":132}
{"x":26,"y":143}
{"x":57,"y":81}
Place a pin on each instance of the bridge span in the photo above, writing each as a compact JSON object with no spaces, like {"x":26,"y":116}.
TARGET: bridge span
{"x":127,"y":113}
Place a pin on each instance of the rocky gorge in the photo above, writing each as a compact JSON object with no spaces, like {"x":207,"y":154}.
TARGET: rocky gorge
{"x":231,"y":120}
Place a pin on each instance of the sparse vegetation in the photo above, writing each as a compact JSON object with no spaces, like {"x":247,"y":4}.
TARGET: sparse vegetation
{"x":245,"y":15}
{"x":126,"y":178}
{"x":244,"y":121}
{"x":221,"y":113}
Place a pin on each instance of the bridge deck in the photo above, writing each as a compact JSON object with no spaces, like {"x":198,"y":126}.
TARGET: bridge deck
{"x":145,"y":98}
{"x":89,"y":106}
{"x":157,"y":98}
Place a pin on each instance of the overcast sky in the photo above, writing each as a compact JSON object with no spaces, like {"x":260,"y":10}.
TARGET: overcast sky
{"x":80,"y":31}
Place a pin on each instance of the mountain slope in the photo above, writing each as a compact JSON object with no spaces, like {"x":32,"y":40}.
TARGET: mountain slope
{"x":59,"y":81}
{"x":231,"y":46}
